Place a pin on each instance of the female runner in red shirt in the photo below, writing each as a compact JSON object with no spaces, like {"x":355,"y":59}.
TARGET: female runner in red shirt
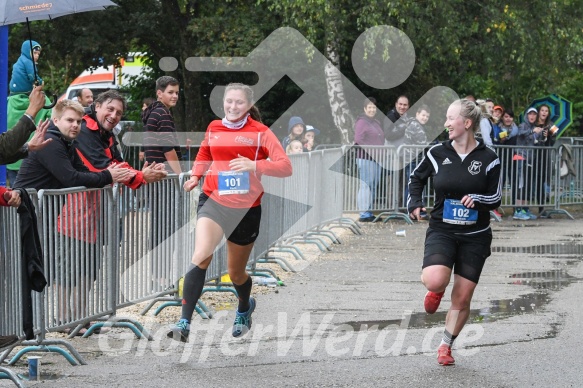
{"x":234,"y":154}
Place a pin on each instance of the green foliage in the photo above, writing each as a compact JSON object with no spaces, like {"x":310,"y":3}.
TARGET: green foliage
{"x":512,"y":51}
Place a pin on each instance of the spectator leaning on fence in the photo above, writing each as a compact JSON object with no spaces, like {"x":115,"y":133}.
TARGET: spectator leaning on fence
{"x":58,"y":166}
{"x":235,"y":153}
{"x":97,"y":146}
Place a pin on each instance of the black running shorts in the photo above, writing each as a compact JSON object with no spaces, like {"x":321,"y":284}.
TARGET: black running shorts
{"x":241,"y":226}
{"x":465,"y":253}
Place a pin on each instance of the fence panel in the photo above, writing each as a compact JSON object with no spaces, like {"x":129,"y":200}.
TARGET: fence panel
{"x":77,"y":230}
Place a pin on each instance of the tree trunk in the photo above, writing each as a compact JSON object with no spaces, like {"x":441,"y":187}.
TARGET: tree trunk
{"x":343,"y":119}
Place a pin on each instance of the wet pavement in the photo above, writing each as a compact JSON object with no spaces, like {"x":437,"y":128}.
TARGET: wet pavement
{"x":354,"y":316}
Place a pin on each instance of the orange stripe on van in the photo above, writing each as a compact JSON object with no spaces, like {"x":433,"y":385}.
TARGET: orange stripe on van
{"x":91,"y":78}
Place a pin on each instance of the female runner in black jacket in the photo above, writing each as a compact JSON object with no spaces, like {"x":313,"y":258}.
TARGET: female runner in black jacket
{"x":466,"y":179}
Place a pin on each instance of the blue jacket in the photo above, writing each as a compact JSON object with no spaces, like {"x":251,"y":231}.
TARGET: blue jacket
{"x":23,"y":70}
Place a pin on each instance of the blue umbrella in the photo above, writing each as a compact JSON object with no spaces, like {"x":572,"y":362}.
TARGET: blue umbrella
{"x":21,"y":11}
{"x":561,"y":110}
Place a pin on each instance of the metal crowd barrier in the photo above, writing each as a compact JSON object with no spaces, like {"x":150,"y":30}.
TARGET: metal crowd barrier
{"x":530,"y":178}
{"x":10,"y":284}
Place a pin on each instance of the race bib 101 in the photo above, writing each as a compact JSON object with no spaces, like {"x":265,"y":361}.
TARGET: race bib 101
{"x":233,"y":182}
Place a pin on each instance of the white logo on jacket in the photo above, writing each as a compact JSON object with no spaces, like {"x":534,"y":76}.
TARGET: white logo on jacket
{"x":243,"y":140}
{"x":475,"y":167}
{"x":446,"y":161}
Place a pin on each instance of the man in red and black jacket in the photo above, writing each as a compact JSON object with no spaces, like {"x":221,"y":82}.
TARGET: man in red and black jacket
{"x":97,"y":145}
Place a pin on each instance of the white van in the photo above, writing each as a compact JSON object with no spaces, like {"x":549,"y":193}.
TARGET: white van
{"x":105,"y":78}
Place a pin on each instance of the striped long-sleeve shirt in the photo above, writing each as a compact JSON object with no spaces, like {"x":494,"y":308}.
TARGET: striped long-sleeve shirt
{"x":476,"y":175}
{"x":160,"y":133}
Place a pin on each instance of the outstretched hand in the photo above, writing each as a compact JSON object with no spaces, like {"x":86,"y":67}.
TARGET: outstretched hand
{"x":38,"y":141}
{"x":120,"y":174}
{"x":154,"y":172}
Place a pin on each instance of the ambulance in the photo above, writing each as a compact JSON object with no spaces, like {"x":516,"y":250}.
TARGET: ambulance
{"x":110,"y":77}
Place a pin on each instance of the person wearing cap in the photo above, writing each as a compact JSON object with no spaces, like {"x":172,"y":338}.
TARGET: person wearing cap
{"x":523,"y":190}
{"x":25,"y":69}
{"x":295,"y":130}
{"x":497,"y":113}
{"x":309,"y":138}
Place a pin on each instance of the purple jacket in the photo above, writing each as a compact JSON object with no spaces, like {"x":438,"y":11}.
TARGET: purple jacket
{"x":367,"y":131}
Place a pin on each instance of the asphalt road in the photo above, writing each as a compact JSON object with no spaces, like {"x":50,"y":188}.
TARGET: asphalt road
{"x":354,"y":317}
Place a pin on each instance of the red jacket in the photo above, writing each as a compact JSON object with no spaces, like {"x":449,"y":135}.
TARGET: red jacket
{"x":98,"y":150}
{"x":221,"y":145}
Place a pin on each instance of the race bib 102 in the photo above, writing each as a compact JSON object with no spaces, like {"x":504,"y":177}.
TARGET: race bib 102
{"x":456,"y":213}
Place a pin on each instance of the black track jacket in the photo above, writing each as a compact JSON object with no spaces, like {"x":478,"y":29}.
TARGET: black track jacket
{"x":478,"y":176}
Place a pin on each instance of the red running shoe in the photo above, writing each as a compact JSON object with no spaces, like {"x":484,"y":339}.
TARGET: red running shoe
{"x":444,"y":355}
{"x":432,"y":301}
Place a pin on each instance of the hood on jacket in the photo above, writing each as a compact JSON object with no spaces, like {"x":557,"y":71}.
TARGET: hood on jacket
{"x":25,"y":49}
{"x":146,"y":112}
{"x":293,"y":121}
{"x":54,"y":130}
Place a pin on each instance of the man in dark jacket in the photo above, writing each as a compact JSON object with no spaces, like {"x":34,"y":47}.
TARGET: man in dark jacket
{"x":160,"y":142}
{"x":392,"y":130}
{"x":57,"y":165}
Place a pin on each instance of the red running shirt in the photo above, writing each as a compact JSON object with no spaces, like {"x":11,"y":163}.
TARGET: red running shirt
{"x":254,"y":141}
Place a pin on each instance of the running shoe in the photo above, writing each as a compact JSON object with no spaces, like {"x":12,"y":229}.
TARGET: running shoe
{"x":444,"y":355}
{"x":520,"y":215}
{"x":179,"y":331}
{"x":497,"y":213}
{"x":243,"y":321}
{"x":432,"y":301}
